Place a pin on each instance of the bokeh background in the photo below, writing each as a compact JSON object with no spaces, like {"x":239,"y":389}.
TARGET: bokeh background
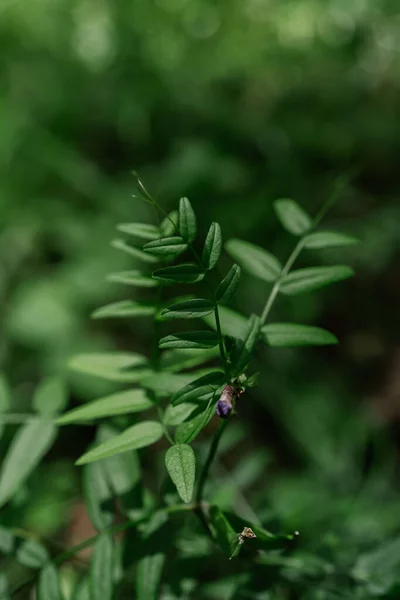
{"x":232,"y":104}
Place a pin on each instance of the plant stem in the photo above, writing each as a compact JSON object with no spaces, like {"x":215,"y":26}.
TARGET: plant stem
{"x":221,"y":341}
{"x":211,"y":455}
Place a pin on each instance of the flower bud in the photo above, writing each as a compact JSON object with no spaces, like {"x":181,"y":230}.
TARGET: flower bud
{"x":224,"y":404}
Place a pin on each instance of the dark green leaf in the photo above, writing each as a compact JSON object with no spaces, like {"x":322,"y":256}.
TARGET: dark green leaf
{"x":185,"y":273}
{"x":135,"y":252}
{"x":6,"y":540}
{"x":50,"y":396}
{"x":212,"y":247}
{"x":138,"y":436}
{"x":101,"y":568}
{"x":199,"y":387}
{"x":181,"y":466}
{"x":178,"y":360}
{"x":148,"y":578}
{"x":135,"y":278}
{"x":232,"y":322}
{"x":289,"y":335}
{"x":4,"y":587}
{"x":248,"y":344}
{"x":168,"y":226}
{"x":307,"y":280}
{"x":224,"y":532}
{"x":293,"y":218}
{"x":29,"y":445}
{"x":32,"y":554}
{"x":113,"y":366}
{"x":191,"y":309}
{"x":49,"y":584}
{"x":166,"y":246}
{"x":328,"y":239}
{"x":190,"y":339}
{"x":255,"y":260}
{"x":120,"y":403}
{"x":124,"y":308}
{"x":140,"y":230}
{"x":187,"y":432}
{"x":187,"y":220}
{"x":164,"y":383}
{"x":98,"y":495}
{"x":227,"y":288}
{"x":173,"y":416}
{"x":265,"y":540}
{"x":5,"y":395}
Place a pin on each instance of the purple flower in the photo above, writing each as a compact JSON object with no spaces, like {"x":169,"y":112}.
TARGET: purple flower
{"x":224,"y":404}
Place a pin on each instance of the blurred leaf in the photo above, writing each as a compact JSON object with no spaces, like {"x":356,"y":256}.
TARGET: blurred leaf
{"x":199,"y":387}
{"x":254,"y":260}
{"x":328,"y":239}
{"x":135,"y":252}
{"x":49,"y":584}
{"x":212,"y":247}
{"x":247,"y":346}
{"x":32,"y":554}
{"x":169,"y":246}
{"x":187,"y":221}
{"x":380,"y":567}
{"x":148,"y":576}
{"x":228,"y":286}
{"x":307,"y":280}
{"x":191,"y":309}
{"x":224,"y":532}
{"x":140,"y":230}
{"x":4,"y":587}
{"x":289,"y":335}
{"x":164,"y":383}
{"x":98,"y":496}
{"x":185,"y":273}
{"x":122,"y":470}
{"x":181,"y":466}
{"x":175,"y":415}
{"x":167,"y":228}
{"x":190,"y":339}
{"x":187,"y":432}
{"x":124,"y":308}
{"x":50,"y":396}
{"x":135,"y":278}
{"x":293,"y":218}
{"x":110,"y":365}
{"x":102,"y":568}
{"x":6,"y":540}
{"x":82,"y":590}
{"x":5,"y":395}
{"x":120,"y":403}
{"x":178,"y":360}
{"x":138,"y":436}
{"x":29,"y":445}
{"x":232,"y":322}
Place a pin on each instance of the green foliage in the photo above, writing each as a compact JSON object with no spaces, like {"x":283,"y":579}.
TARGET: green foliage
{"x":254,"y":260}
{"x":181,"y":466}
{"x":293,"y":218}
{"x":187,"y":221}
{"x":212,"y":247}
{"x":101,"y":569}
{"x":289,"y":335}
{"x":190,"y":339}
{"x":49,"y":584}
{"x":228,"y":286}
{"x":190,"y":309}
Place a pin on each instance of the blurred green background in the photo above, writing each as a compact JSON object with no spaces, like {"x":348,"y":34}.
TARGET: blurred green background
{"x":232,"y":104}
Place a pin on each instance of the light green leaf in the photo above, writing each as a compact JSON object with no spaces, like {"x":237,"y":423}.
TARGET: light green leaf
{"x":140,"y":230}
{"x":148,"y":577}
{"x":50,"y":396}
{"x":124,"y":308}
{"x":49,"y":584}
{"x":289,"y":335}
{"x":190,"y":309}
{"x":4,"y":588}
{"x":122,"y":470}
{"x":29,"y":445}
{"x":187,"y":432}
{"x":212,"y":247}
{"x":138,"y":436}
{"x":120,"y":403}
{"x":254,"y":260}
{"x":169,"y":246}
{"x":98,"y":495}
{"x":173,"y":416}
{"x":293,"y":218}
{"x":190,"y":339}
{"x":232,"y":322}
{"x":82,"y":590}
{"x":199,"y":387}
{"x":185,"y":273}
{"x":178,"y":360}
{"x":32,"y":554}
{"x":6,"y":540}
{"x":307,"y":280}
{"x":164,"y":383}
{"x":102,"y":568}
{"x":227,"y":288}
{"x":167,"y":227}
{"x":328,"y":239}
{"x":5,"y":395}
{"x":135,"y":278}
{"x":187,"y":221}
{"x":181,"y":466}
{"x":249,"y":343}
{"x":135,"y":252}
{"x":113,"y":366}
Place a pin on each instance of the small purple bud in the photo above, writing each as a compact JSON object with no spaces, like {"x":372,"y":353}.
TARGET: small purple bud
{"x":224,"y":404}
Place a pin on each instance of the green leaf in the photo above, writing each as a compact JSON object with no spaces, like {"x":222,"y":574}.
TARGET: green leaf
{"x":178,"y":360}
{"x":102,"y":568}
{"x":190,"y":339}
{"x":187,"y":432}
{"x":174,"y":415}
{"x":164,"y":384}
{"x":140,"y":230}
{"x":227,"y":288}
{"x":135,"y":252}
{"x":50,"y":396}
{"x":122,"y":470}
{"x":98,"y":495}
{"x":181,"y":466}
{"x":224,"y":532}
{"x":6,"y":540}
{"x":120,"y":403}
{"x":248,"y":344}
{"x":135,"y":278}
{"x":166,"y":246}
{"x":32,"y":554}
{"x":289,"y":335}
{"x":124,"y":308}
{"x":307,"y":280}
{"x":29,"y":445}
{"x":212,"y":247}
{"x":232,"y":322}
{"x":167,"y":228}
{"x":190,"y":309}
{"x":82,"y":590}
{"x":293,"y":218}
{"x":5,"y":395}
{"x":49,"y":584}
{"x":199,"y":387}
{"x":111,"y":365}
{"x":328,"y":239}
{"x":148,"y":576}
{"x":138,"y":436}
{"x":187,"y":221}
{"x":254,"y":260}
{"x":185,"y":273}
{"x":4,"y":588}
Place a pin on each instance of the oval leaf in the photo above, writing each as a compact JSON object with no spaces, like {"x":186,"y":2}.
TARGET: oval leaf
{"x":135,"y":278}
{"x":122,"y":470}
{"x":124,"y":308}
{"x":4,"y":587}
{"x":102,"y":569}
{"x":135,"y":252}
{"x":50,"y":396}
{"x":185,"y":273}
{"x":173,"y":416}
{"x":307,"y":280}
{"x":169,"y":224}
{"x":199,"y":387}
{"x":49,"y":584}
{"x":328,"y":239}
{"x":187,"y":220}
{"x":247,"y":346}
{"x":110,"y":365}
{"x":166,"y":246}
{"x":254,"y":260}
{"x":6,"y":540}
{"x":227,"y":288}
{"x":187,"y":432}
{"x":212,"y":247}
{"x":82,"y":591}
{"x":289,"y":335}
{"x":190,"y":309}
{"x":32,"y":554}
{"x":148,"y":576}
{"x":190,"y":339}
{"x":293,"y":218}
{"x":135,"y":437}
{"x":140,"y":230}
{"x":181,"y":466}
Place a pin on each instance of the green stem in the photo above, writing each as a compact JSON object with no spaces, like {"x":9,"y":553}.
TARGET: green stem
{"x":211,"y":455}
{"x":221,"y":341}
